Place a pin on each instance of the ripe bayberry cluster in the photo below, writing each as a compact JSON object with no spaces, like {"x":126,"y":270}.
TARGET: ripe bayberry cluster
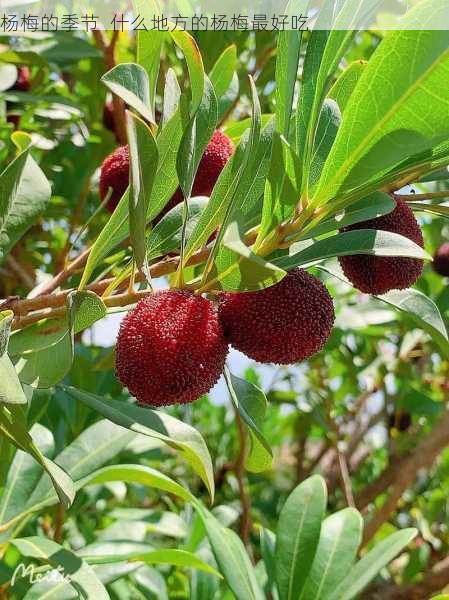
{"x":115,"y":172}
{"x":172,"y":347}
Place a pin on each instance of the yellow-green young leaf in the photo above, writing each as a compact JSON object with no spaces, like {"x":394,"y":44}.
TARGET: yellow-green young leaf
{"x":6,"y":318}
{"x":130,"y":82}
{"x":251,"y":403}
{"x":383,"y":124}
{"x":192,"y":54}
{"x":297,"y":536}
{"x":143,"y":162}
{"x":174,"y":433}
{"x":82,"y":576}
{"x":344,"y":86}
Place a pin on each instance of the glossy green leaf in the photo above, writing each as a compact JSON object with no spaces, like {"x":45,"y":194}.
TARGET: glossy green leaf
{"x":344,"y":86}
{"x":326,"y":132}
{"x":11,"y":391}
{"x":372,"y":563}
{"x":86,"y":308}
{"x":358,"y":241}
{"x":340,"y":538}
{"x":8,"y":76}
{"x":24,"y":196}
{"x":13,"y":425}
{"x":194,"y":63}
{"x":196,"y":137}
{"x":130,"y":82}
{"x":297,"y":536}
{"x":149,"y":46}
{"x":224,"y":79}
{"x":382,"y":123}
{"x":176,"y":434}
{"x":165,"y":237}
{"x":252,"y":405}
{"x":143,"y":161}
{"x":287,"y":62}
{"x":82,"y":577}
{"x":165,"y":183}
{"x":231,"y":557}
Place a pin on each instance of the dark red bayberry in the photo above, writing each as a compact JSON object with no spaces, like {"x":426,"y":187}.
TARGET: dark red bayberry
{"x":115,"y":174}
{"x":23,"y":81}
{"x":380,"y":274}
{"x":282,"y":324}
{"x":170,"y":348}
{"x":441,"y":260}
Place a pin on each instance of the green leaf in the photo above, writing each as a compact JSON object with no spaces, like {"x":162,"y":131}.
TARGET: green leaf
{"x":6,"y":319}
{"x":242,"y":270}
{"x":156,"y":521}
{"x":23,"y":474}
{"x":442,"y":210}
{"x":149,"y":46}
{"x":86,"y":308}
{"x":82,"y":577}
{"x":372,"y":563}
{"x":165,"y":237}
{"x":43,"y":352}
{"x":297,"y":536}
{"x":172,"y":96}
{"x":192,"y":54}
{"x":130,"y":82}
{"x":251,"y":404}
{"x":417,"y":306}
{"x":359,"y":241}
{"x":423,"y":311}
{"x":340,"y":537}
{"x":288,"y":47}
{"x":326,"y":132}
{"x":136,"y":474}
{"x":143,"y":161}
{"x":281,"y":188}
{"x":24,"y":196}
{"x":373,"y":206}
{"x":165,"y":184}
{"x":196,"y":137}
{"x":344,"y":86}
{"x":231,"y":557}
{"x":179,"y":558}
{"x":382,"y":123}
{"x":11,"y":391}
{"x":13,"y":426}
{"x":176,"y":434}
{"x":225,"y":80}
{"x":267,"y":550}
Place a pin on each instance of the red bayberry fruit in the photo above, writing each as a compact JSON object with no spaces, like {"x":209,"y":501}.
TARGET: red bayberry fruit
{"x":115,"y":174}
{"x":170,"y":348}
{"x":441,"y":260}
{"x":282,"y":324}
{"x":380,"y":274}
{"x":23,"y":81}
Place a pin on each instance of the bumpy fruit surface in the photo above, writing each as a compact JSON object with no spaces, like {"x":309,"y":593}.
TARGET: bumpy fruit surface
{"x":282,"y":324}
{"x":380,"y":274}
{"x":441,"y":260}
{"x":171,"y":348}
{"x":115,"y":174}
{"x":23,"y":81}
